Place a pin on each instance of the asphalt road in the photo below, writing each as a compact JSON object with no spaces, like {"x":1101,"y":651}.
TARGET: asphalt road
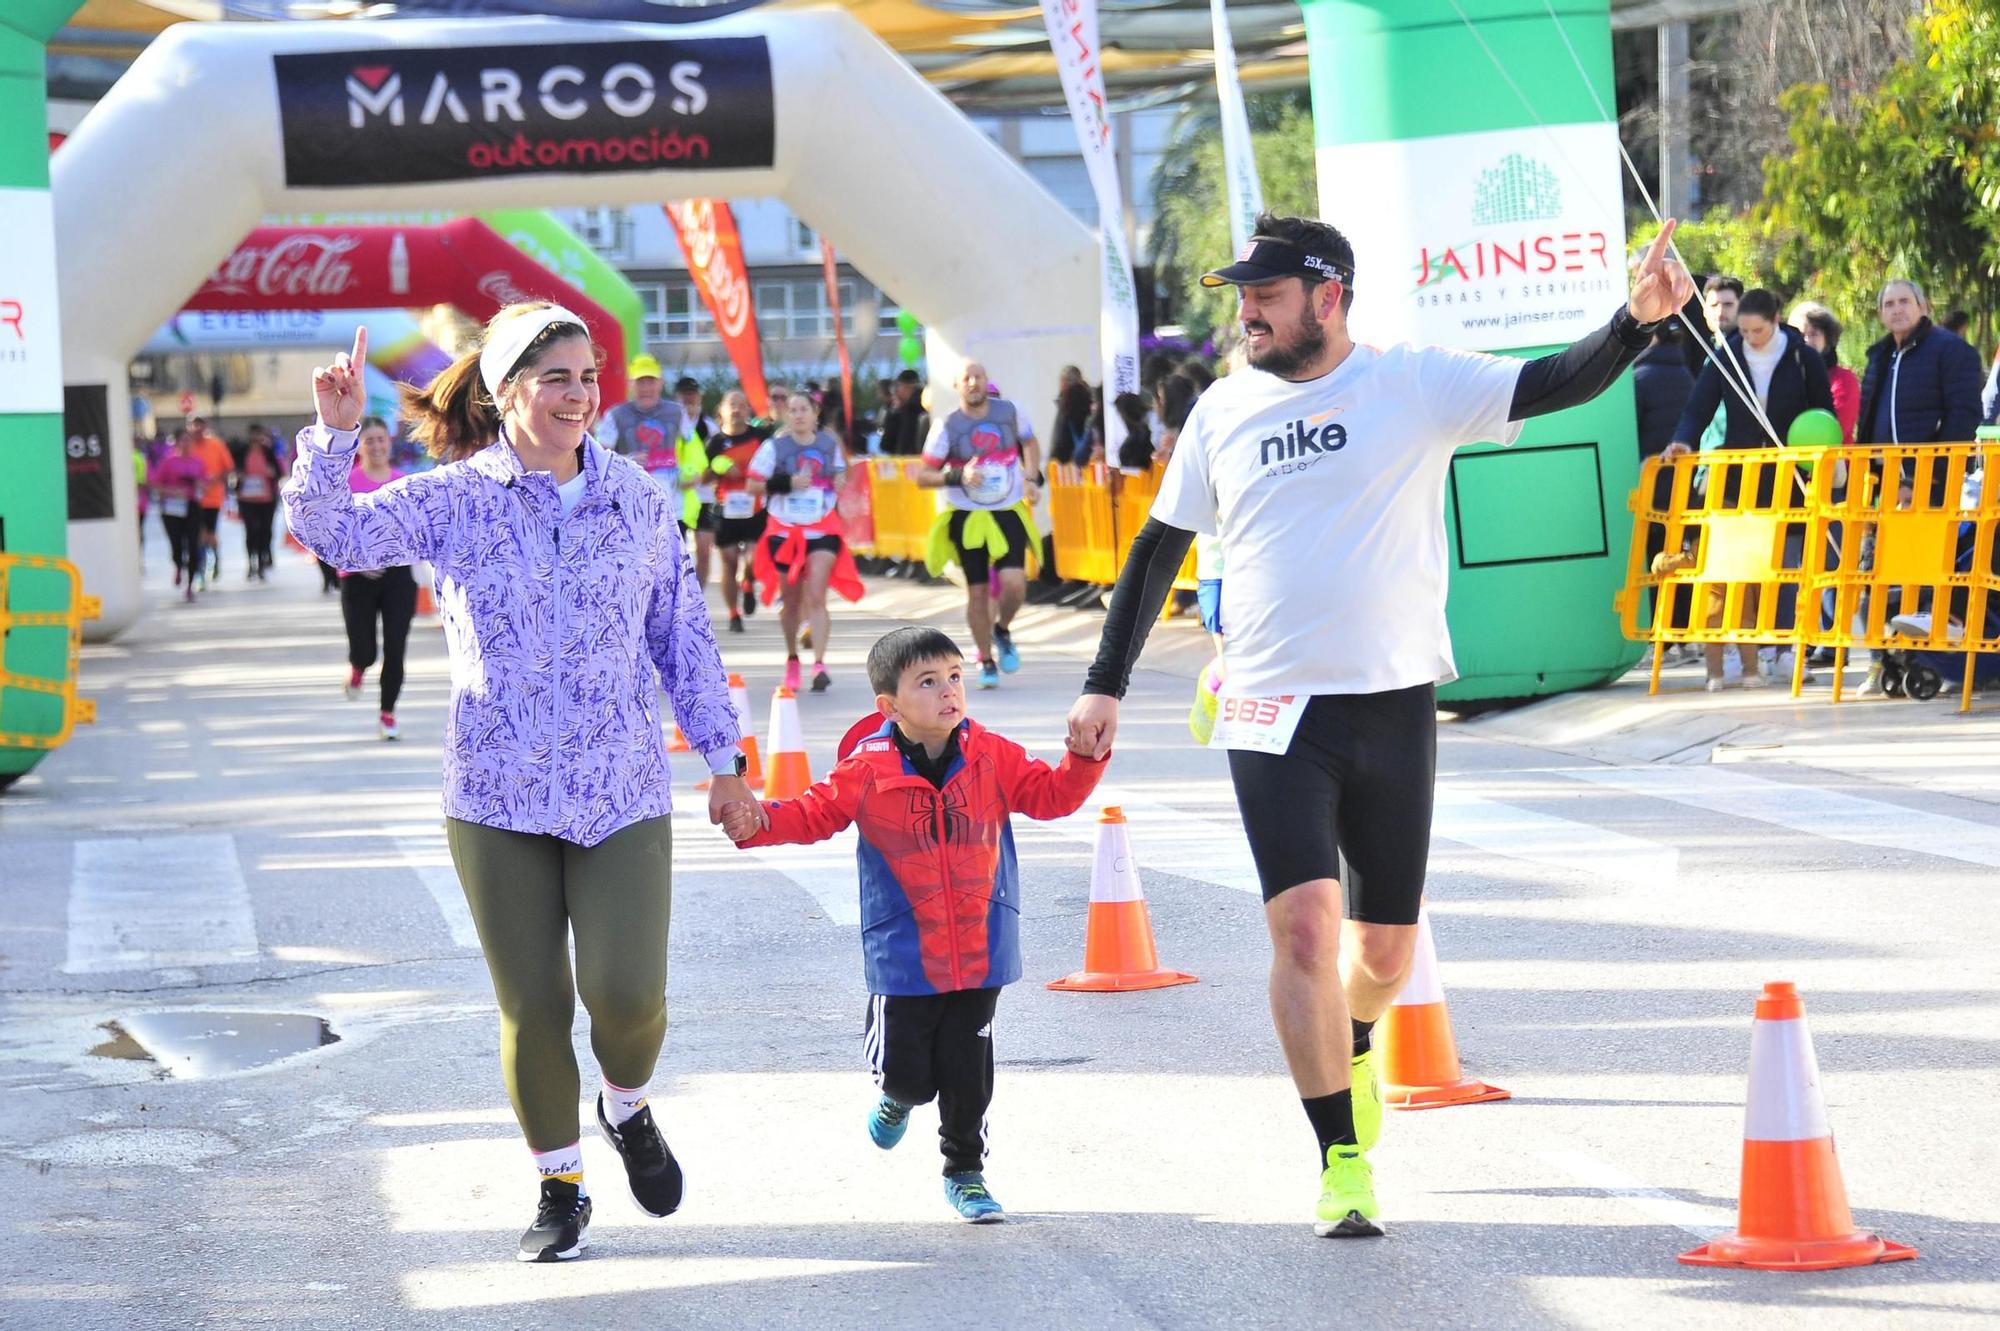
{"x":232,"y":839}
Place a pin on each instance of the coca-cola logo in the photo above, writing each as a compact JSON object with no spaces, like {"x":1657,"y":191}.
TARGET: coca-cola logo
{"x":306,"y":265}
{"x":727,"y":284}
{"x":498,"y":286}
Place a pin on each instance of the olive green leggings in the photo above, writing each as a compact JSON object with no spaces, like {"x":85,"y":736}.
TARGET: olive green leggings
{"x":529,"y":893}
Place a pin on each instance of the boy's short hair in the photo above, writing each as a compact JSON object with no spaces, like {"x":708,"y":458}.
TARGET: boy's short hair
{"x":898,"y":650}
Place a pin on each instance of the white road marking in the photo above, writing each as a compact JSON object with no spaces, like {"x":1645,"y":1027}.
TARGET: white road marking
{"x":825,"y":871}
{"x":1543,"y":838}
{"x":143,"y":903}
{"x":430,"y":860}
{"x":1705,"y":1223}
{"x":1831,"y":814}
{"x":1169,"y":840}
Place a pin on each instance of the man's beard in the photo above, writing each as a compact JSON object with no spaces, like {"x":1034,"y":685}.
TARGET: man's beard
{"x":1284,"y":360}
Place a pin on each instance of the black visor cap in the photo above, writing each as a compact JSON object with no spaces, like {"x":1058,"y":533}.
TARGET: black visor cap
{"x":1267,"y":259}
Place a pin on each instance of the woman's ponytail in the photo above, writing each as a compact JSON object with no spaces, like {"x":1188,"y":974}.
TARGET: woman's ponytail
{"x":453,"y":417}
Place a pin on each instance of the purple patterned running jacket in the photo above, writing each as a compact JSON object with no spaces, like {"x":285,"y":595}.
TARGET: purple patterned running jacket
{"x":561,"y":630}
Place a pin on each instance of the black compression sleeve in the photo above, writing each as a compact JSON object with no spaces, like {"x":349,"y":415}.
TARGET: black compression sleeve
{"x":1157,"y":554}
{"x":1580,"y":371}
{"x":779,"y":484}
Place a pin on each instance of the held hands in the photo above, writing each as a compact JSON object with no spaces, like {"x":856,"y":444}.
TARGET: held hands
{"x":734,"y":808}
{"x":1093,"y":721}
{"x":1660,"y":286}
{"x":338,"y":390}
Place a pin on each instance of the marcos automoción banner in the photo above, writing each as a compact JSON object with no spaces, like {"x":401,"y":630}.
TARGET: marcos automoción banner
{"x":400,"y":116}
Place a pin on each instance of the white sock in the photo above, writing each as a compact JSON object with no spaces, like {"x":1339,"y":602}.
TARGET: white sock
{"x":621,"y":1104}
{"x":565,"y":1163}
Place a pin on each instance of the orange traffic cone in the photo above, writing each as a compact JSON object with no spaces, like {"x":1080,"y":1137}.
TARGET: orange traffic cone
{"x":676,"y":741}
{"x":426,"y":603}
{"x":1118,"y":950}
{"x":791,"y":770}
{"x":1419,"y":1056}
{"x":739,"y":698}
{"x":1792,"y":1206}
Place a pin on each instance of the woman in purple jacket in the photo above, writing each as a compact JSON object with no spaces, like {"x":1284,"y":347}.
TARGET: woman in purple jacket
{"x":568,"y":601}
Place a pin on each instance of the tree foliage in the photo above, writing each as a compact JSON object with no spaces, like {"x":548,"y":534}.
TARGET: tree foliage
{"x":1191,"y":234}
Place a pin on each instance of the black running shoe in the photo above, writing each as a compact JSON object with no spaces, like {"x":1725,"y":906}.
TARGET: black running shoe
{"x":650,"y":1168}
{"x":749,"y":600}
{"x":562,"y":1224}
{"x":736,"y":624}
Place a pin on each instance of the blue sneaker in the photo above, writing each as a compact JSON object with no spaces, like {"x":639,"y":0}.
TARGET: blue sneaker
{"x":887,"y":1122}
{"x":967,"y":1193}
{"x":1010,"y":658}
{"x":989,"y":675}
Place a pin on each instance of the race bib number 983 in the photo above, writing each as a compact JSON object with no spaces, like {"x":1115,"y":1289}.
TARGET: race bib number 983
{"x":1257,"y":725}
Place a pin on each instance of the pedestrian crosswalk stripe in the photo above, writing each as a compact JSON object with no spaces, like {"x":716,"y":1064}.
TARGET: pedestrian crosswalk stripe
{"x":1831,"y":814}
{"x":1543,"y":838}
{"x":149,"y":903}
{"x":1170,"y":840}
{"x":430,"y":860}
{"x":825,"y":871}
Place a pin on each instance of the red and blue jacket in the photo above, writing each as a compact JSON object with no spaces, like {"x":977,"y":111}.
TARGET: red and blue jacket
{"x":940,"y":884}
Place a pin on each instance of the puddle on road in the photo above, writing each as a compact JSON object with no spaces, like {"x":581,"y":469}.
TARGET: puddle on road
{"x":190,"y":1045}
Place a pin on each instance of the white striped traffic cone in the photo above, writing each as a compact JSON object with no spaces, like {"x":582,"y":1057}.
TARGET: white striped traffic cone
{"x":1792,"y":1206}
{"x":1118,"y":952}
{"x":791,"y":771}
{"x":739,"y":698}
{"x":1420,"y":1067}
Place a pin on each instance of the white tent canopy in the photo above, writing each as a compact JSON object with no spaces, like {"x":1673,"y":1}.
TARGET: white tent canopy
{"x":861,"y":147}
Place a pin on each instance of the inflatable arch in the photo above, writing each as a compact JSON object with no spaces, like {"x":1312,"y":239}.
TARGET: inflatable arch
{"x":462,"y":263}
{"x":218,"y":124}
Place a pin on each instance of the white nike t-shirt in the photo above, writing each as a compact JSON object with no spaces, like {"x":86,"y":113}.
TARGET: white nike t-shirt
{"x":1328,"y":500}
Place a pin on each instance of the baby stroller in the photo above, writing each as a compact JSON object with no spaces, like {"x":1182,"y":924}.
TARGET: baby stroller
{"x":1924,"y":674}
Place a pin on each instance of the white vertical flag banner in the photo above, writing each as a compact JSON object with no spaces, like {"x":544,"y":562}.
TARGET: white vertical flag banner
{"x":1072,"y":28}
{"x":1239,"y":163}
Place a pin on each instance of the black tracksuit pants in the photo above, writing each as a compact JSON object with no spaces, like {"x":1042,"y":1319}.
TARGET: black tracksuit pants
{"x":938,"y":1046}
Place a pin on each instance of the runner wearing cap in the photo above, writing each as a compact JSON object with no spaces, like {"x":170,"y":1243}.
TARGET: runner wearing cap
{"x":1321,"y":470}
{"x":687,"y":392}
{"x":987,"y":460}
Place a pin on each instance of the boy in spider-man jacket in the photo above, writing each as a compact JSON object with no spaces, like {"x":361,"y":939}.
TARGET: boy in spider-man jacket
{"x":931,"y":791}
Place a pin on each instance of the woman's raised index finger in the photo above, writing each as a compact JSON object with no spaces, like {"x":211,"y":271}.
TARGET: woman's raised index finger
{"x":360,"y":356}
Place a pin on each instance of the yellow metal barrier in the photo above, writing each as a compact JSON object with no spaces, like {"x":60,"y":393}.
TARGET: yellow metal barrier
{"x":75,"y":711}
{"x":904,"y":510}
{"x":1133,"y":495}
{"x":1731,"y":529}
{"x":1083,"y":522}
{"x":1895,"y":523}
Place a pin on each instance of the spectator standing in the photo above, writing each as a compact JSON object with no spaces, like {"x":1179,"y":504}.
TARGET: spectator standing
{"x":1069,"y":441}
{"x":1921,"y":384}
{"x":1821,"y":330}
{"x":1661,"y":386}
{"x":905,"y":427}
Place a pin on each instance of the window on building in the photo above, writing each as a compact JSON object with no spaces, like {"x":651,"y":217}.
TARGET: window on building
{"x":603,"y":229}
{"x":804,"y":238}
{"x":674,"y":312}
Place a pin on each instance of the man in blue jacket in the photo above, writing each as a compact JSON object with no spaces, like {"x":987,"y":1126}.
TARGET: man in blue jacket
{"x":1922,"y":383}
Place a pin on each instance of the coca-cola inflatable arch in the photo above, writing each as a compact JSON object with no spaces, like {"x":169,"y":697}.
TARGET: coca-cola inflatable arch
{"x":217,"y":125}
{"x":462,"y":262}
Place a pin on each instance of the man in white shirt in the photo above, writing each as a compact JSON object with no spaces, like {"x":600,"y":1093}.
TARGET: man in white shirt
{"x":1321,"y":469}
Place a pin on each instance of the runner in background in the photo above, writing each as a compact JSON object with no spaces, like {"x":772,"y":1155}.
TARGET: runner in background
{"x":388,"y":594}
{"x":177,"y":479}
{"x":218,"y":462}
{"x":799,"y":473}
{"x":687,"y":392}
{"x":257,"y":500}
{"x":985,"y":457}
{"x":650,"y":424}
{"x":738,"y":513}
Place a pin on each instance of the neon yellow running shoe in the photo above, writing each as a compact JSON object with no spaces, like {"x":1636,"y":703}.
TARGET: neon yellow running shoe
{"x":1347,"y":1207}
{"x":1367,"y":1099}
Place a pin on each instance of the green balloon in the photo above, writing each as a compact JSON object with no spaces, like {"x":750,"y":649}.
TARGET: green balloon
{"x":910,"y":350}
{"x":1815,"y":428}
{"x":906,"y":323}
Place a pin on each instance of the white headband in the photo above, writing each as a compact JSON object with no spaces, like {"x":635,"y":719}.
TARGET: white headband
{"x":512,"y":338}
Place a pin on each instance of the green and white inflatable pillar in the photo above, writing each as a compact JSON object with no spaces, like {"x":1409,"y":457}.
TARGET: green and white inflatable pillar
{"x":1477,"y":227}
{"x":33,"y":494}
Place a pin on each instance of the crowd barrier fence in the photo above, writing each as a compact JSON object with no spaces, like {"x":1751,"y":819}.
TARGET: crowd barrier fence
{"x":17,"y":571}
